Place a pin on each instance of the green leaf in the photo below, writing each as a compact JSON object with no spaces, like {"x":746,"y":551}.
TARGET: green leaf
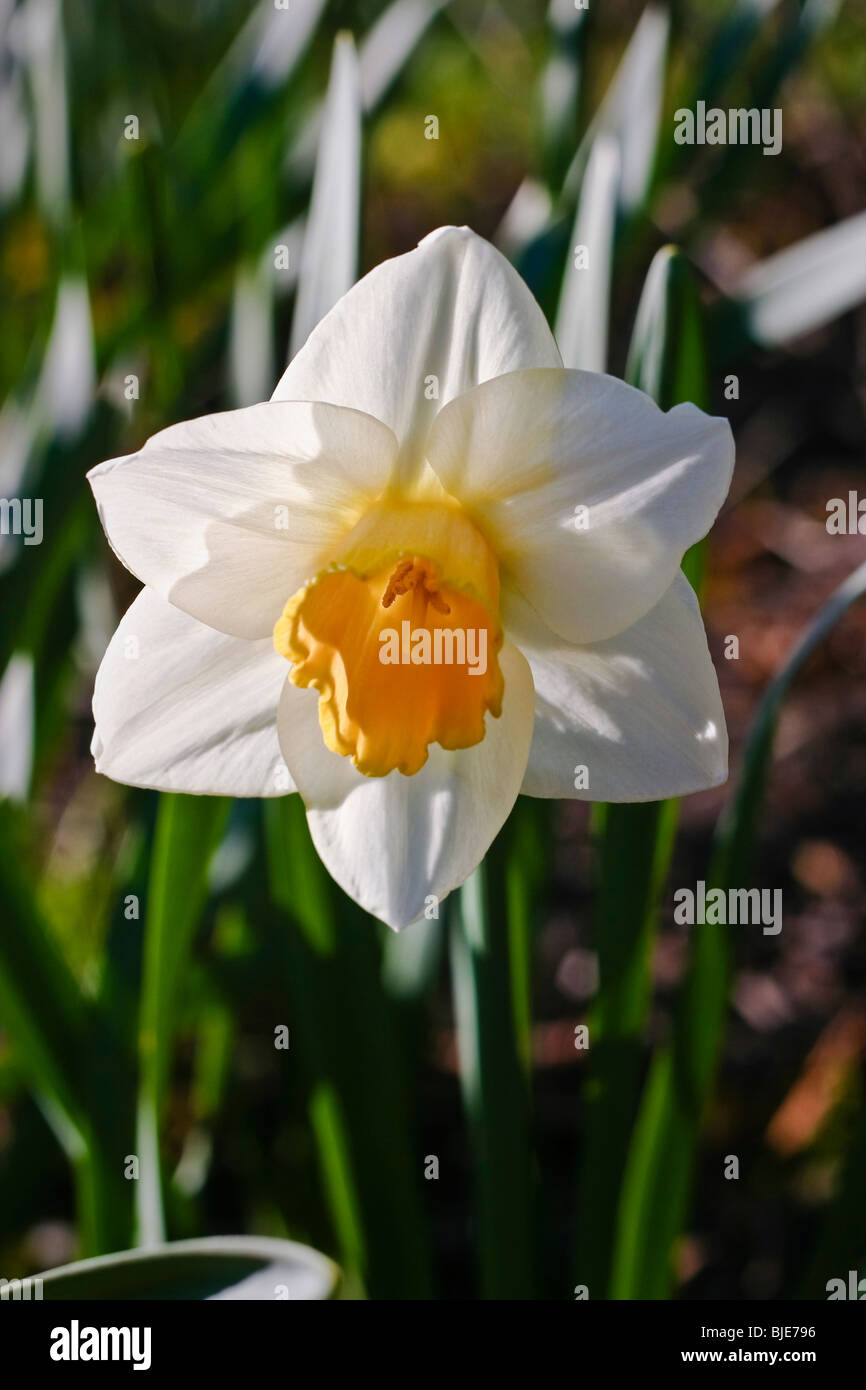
{"x":738,"y":824}
{"x":46,"y":58}
{"x":248,"y":83}
{"x":17,"y":719}
{"x":271,"y":44}
{"x":240,"y":1268}
{"x":584,"y":305}
{"x":730,"y":42}
{"x":410,"y":960}
{"x":188,"y":830}
{"x":723,"y":58}
{"x":328,"y":950}
{"x":630,"y":110}
{"x":804,"y":286}
{"x":525,"y":874}
{"x":635,"y":847}
{"x":562,"y":88}
{"x":389,"y":44}
{"x":329,"y":258}
{"x":34,"y":586}
{"x":306,"y":947}
{"x":666,"y":353}
{"x":495,"y":1095}
{"x":628,"y":115}
{"x":384,"y":52}
{"x":62,"y":1043}
{"x":783,"y":49}
{"x":667,"y":356}
{"x":842,"y":1239}
{"x":635,"y":842}
{"x":658,"y":1179}
{"x":251,"y":367}
{"x":40,"y":1003}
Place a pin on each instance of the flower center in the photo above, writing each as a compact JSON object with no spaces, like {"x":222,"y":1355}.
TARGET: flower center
{"x":400,"y":637}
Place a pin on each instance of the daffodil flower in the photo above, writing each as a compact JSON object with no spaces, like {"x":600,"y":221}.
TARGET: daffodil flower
{"x":426,"y":478}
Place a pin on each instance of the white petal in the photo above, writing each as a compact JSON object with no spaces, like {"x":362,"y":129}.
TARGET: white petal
{"x":640,"y":711}
{"x":442,"y":318}
{"x":392,"y":842}
{"x":182,"y":708}
{"x":228,"y":515}
{"x":528,"y":451}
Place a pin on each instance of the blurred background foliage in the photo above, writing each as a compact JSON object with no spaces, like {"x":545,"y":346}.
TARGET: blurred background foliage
{"x":151,"y":947}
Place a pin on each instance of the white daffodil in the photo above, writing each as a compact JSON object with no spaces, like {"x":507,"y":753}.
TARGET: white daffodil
{"x":435,"y":570}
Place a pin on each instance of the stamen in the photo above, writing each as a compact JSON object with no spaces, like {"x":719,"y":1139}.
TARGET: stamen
{"x":418,"y":574}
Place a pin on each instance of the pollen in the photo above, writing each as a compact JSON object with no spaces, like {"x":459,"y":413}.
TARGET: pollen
{"x":402,"y":648}
{"x":418,"y":576}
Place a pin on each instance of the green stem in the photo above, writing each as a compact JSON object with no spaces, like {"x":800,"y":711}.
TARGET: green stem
{"x":188,"y":829}
{"x":348,"y":1037}
{"x":524,"y":872}
{"x":640,"y":837}
{"x":494,"y":1093}
{"x":103,"y":1207}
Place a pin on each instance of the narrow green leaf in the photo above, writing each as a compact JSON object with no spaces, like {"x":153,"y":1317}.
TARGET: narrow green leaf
{"x":581,"y":328}
{"x":658,"y":1179}
{"x":335,"y":1155}
{"x":40,"y":1004}
{"x":301,"y":892}
{"x":526,"y":854}
{"x":251,"y":348}
{"x":389,"y":44}
{"x":806,"y":285}
{"x":329,"y":259}
{"x":237,"y":1268}
{"x":410,"y":960}
{"x":188,"y":830}
{"x":46,"y":60}
{"x":64,"y":393}
{"x":348,"y":1041}
{"x":17,"y":718}
{"x":723,"y":59}
{"x":562,"y":95}
{"x":738,"y":824}
{"x":630,"y":110}
{"x":635,"y":843}
{"x":666,"y":354}
{"x":783,"y":48}
{"x":244,"y":88}
{"x":842,"y":1239}
{"x":494,"y":1093}
{"x":74,"y":1061}
{"x":216,"y":1039}
{"x":270,"y":45}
